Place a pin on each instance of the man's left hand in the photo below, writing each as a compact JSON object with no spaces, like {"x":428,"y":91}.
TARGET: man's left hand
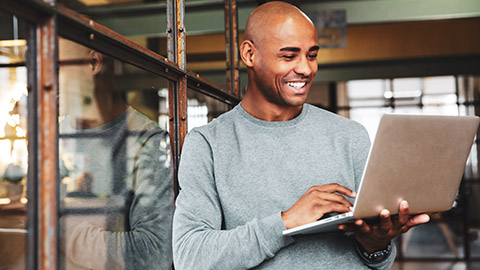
{"x":376,"y":237}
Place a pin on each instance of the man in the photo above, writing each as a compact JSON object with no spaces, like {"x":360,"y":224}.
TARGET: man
{"x":269,"y":164}
{"x":118,"y":208}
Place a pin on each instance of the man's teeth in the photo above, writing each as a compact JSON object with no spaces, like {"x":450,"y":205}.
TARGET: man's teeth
{"x":297,"y":85}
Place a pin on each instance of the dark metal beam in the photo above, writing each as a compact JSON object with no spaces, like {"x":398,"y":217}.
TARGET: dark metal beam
{"x":33,"y":142}
{"x":29,"y":10}
{"x":155,"y":8}
{"x":199,"y":84}
{"x":12,"y":65}
{"x":177,"y":90}
{"x":231,"y":47}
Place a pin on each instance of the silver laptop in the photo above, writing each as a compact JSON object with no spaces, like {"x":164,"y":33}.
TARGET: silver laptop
{"x":418,"y":158}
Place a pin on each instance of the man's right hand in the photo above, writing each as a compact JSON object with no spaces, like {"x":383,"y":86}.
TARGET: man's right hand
{"x":316,"y":202}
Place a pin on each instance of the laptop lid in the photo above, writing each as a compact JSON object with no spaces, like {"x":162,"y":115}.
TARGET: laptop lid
{"x":418,"y":158}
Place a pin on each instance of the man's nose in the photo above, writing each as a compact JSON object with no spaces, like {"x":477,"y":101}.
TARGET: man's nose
{"x":303,"y":67}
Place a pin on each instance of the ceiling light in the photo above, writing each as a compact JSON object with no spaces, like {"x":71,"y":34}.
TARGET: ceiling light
{"x":13,"y":43}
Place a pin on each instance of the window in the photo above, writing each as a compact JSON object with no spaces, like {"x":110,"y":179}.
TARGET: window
{"x":13,"y":142}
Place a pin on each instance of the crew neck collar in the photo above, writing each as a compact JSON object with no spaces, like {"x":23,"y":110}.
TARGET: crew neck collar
{"x":263,"y":123}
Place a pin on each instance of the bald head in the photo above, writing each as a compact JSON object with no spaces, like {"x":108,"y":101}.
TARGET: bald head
{"x":266,"y":18}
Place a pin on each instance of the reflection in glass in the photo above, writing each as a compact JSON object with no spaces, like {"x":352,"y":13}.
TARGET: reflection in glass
{"x":13,"y":143}
{"x":116,"y":190}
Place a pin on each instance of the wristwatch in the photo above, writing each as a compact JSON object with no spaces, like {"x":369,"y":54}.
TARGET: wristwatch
{"x":373,"y":257}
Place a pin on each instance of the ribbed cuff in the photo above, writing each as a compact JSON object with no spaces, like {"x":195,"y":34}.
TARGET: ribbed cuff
{"x":271,"y":229}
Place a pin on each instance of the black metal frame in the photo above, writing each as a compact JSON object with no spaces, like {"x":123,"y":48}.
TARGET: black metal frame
{"x":32,"y":189}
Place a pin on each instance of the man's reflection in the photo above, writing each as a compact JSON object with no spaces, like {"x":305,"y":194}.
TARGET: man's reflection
{"x":115,"y":170}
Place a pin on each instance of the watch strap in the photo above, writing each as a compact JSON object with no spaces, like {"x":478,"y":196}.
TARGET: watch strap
{"x":375,"y":256}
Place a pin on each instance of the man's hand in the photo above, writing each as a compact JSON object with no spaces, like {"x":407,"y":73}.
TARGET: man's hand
{"x":376,"y":237}
{"x":316,"y":202}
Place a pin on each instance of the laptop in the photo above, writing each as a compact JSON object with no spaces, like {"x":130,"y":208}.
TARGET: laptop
{"x":418,"y":158}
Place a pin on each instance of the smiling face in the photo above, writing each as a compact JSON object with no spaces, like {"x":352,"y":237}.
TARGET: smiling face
{"x":286,"y":62}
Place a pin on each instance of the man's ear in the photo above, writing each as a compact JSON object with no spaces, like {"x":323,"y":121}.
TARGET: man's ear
{"x":96,"y":60}
{"x":247,"y":51}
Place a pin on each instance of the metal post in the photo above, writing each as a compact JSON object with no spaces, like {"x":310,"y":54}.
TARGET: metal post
{"x":231,"y":44}
{"x":47,"y":91}
{"x":32,"y":138}
{"x":332,"y":97}
{"x":391,"y":101}
{"x":465,"y":190}
{"x":177,"y":90}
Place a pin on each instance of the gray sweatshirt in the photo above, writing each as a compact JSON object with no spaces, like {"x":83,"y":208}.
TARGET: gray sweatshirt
{"x":238,"y":173}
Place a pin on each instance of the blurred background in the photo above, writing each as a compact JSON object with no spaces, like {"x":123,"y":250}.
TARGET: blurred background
{"x":376,"y":57}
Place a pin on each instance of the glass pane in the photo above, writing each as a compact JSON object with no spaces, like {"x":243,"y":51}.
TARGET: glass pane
{"x":408,"y":110}
{"x":440,"y":104}
{"x":439,"y":96}
{"x":206,"y":42}
{"x":13,"y":142}
{"x":439,"y":85}
{"x":116,"y":190}
{"x":406,"y":91}
{"x":407,"y":87}
{"x":367,"y":88}
{"x":142,"y":21}
{"x":202,"y":109}
{"x":363,"y":93}
{"x":145,"y":23}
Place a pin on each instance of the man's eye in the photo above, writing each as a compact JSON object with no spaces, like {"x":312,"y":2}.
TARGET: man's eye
{"x":313,"y":56}
{"x":289,"y":56}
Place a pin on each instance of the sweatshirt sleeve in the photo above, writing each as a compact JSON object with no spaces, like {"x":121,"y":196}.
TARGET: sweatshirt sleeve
{"x":147,"y":241}
{"x":360,"y":149}
{"x":199,"y":242}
